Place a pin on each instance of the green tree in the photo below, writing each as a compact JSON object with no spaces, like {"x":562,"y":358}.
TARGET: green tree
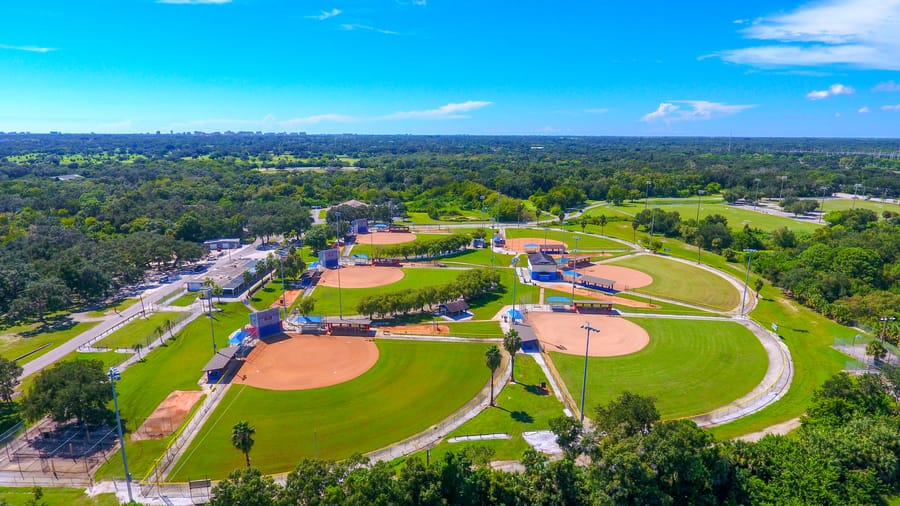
{"x":306,"y":305}
{"x":9,"y":378}
{"x":247,"y":487}
{"x":876,"y":350}
{"x":627,"y":415}
{"x":602,"y":220}
{"x":242,"y":438}
{"x":492,"y":361}
{"x":75,"y":389}
{"x":758,"y":286}
{"x":512,"y":343}
{"x":137,"y":348}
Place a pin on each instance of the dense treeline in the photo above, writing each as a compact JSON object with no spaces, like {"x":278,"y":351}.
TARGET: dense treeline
{"x":166,"y":191}
{"x":468,"y":285}
{"x":849,"y":270}
{"x":432,"y":247}
{"x":845,"y":452}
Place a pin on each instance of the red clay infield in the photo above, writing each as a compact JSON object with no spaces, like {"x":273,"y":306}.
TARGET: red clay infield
{"x":562,"y":332}
{"x":167,"y":417}
{"x":624,"y":277}
{"x":518,"y":245}
{"x":357,"y":276}
{"x":300,"y":362}
{"x":385,"y":238}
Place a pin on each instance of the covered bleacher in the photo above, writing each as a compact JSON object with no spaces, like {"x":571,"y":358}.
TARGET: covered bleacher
{"x":594,"y":306}
{"x":338,"y":326}
{"x":597,"y":283}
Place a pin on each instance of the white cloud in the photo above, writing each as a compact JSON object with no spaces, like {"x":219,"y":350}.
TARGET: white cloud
{"x":597,"y":110}
{"x":864,"y":110}
{"x":888,"y":86}
{"x":420,"y":2}
{"x":837,"y":115}
{"x":193,"y":2}
{"x":449,"y":111}
{"x":832,"y":91}
{"x":857,"y":33}
{"x":354,"y":26}
{"x":326,"y":14}
{"x":699,"y":110}
{"x":892,"y":108}
{"x":30,"y":49}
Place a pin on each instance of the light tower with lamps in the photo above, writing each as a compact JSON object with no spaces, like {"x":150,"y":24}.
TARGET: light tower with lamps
{"x":587,"y":347}
{"x":700,"y":194}
{"x":513,"y":263}
{"x":574,"y":268}
{"x":884,"y":323}
{"x":114,"y":375}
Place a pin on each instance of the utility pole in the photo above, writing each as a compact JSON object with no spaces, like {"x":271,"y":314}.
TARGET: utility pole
{"x":781,"y":192}
{"x":647,"y":195}
{"x":212,"y":327}
{"x":884,"y":322}
{"x":114,"y":375}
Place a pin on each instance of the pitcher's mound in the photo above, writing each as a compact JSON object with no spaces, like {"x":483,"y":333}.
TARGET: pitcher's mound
{"x":562,"y":332}
{"x":300,"y":362}
{"x":357,"y":276}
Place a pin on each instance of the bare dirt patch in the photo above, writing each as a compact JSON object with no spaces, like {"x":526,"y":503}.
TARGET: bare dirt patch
{"x":625,"y":278}
{"x":518,"y":245}
{"x":357,"y":276}
{"x":417,"y":329}
{"x":167,"y":417}
{"x":290,"y":296}
{"x":562,"y":332}
{"x":385,"y":238}
{"x":300,"y":362}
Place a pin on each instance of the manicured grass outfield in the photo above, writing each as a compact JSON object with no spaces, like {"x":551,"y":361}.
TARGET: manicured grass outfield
{"x":23,"y":496}
{"x":411,"y":387}
{"x":585,"y":242}
{"x":690,"y":367}
{"x":18,"y":346}
{"x":679,"y":281}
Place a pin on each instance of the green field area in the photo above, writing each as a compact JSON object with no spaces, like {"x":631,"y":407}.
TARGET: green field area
{"x":266,"y":296}
{"x":521,"y":407}
{"x":185,"y":300}
{"x":482,"y":257}
{"x":327,"y":297}
{"x":683,"y":282}
{"x":475,"y":329}
{"x":121,"y":306}
{"x":141,"y":330}
{"x":13,"y":345}
{"x":809,"y":337}
{"x":842,"y":204}
{"x":411,"y":387}
{"x":52,"y":496}
{"x":175,"y":366}
{"x":487,"y":306}
{"x":364,"y":247}
{"x":737,"y":217}
{"x":690,"y":367}
{"x":585,"y":242}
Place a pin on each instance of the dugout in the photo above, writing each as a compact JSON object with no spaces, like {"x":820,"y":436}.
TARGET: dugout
{"x":498,"y":241}
{"x":338,"y":326}
{"x":386,"y":262}
{"x":394,"y":227}
{"x":552,"y":249}
{"x":593,"y":306}
{"x":597,"y":283}
{"x":217,"y":366}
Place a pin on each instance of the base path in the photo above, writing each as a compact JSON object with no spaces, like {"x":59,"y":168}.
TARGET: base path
{"x":562,"y":332}
{"x":299,"y":362}
{"x":518,"y":244}
{"x":361,"y":277}
{"x":167,"y":417}
{"x":385,"y":238}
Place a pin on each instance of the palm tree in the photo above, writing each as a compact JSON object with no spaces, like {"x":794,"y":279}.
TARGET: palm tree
{"x":242,"y":438}
{"x":492,"y":360}
{"x":138,"y":347}
{"x":876,"y":350}
{"x":602,"y":220}
{"x":512,"y":343}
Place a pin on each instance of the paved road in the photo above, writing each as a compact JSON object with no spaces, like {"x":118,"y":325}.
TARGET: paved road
{"x":149,"y":297}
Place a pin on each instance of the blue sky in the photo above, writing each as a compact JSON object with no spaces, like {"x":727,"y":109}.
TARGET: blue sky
{"x":616,"y":67}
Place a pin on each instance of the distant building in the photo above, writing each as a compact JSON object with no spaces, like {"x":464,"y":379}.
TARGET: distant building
{"x":220,"y":244}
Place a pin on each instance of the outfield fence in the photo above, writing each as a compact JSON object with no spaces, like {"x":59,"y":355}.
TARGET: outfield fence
{"x":151,"y":308}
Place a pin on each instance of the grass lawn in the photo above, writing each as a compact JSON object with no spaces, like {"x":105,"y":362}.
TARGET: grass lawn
{"x":521,"y":407}
{"x":12,"y":346}
{"x":175,"y":366}
{"x":809,"y":336}
{"x":475,"y":329}
{"x":411,"y":387}
{"x":842,"y":204}
{"x":185,"y":300}
{"x":109,"y":359}
{"x":141,"y":330}
{"x":487,"y":306}
{"x":477,"y":257}
{"x":363,"y":247}
{"x":267,"y":295}
{"x":678,"y":281}
{"x":121,"y":306}
{"x":690,"y":367}
{"x":663,"y":307}
{"x":737,"y":217}
{"x":585,"y":243}
{"x":23,"y":496}
{"x":327,"y":297}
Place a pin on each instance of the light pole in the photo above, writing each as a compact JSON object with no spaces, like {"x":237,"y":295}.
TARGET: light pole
{"x":545,"y":237}
{"x":697,"y":234}
{"x":822,"y":213}
{"x":575,"y":268}
{"x":855,"y":190}
{"x":212,"y":327}
{"x":587,"y":347}
{"x":283,"y":301}
{"x":647,"y":195}
{"x":114,"y":375}
{"x":340,"y":301}
{"x":756,"y":198}
{"x":514,"y":262}
{"x":781,"y":192}
{"x":747,"y":277}
{"x":483,"y":215}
